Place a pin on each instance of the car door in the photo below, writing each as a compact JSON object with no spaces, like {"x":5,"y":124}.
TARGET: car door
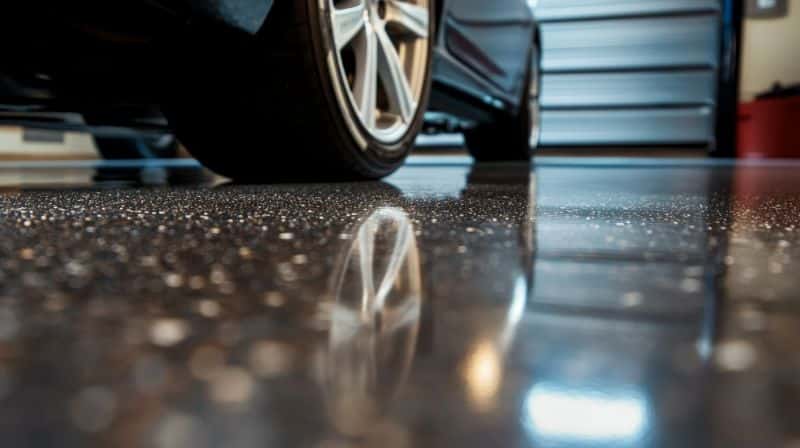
{"x":492,"y":38}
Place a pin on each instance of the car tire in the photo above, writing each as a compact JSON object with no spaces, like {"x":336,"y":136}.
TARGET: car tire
{"x":511,"y":137}
{"x":293,"y":102}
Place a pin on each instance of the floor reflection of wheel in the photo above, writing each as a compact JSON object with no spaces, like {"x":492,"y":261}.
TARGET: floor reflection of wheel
{"x":510,"y":137}
{"x":375,"y":321}
{"x":330,"y":89}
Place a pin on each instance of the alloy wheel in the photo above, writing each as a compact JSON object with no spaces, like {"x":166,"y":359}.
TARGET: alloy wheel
{"x":382,"y":56}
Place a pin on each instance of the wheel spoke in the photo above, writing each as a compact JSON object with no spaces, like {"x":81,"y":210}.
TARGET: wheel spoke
{"x":347,"y":22}
{"x":394,"y":78}
{"x":412,"y":18}
{"x":366,"y":252}
{"x":406,"y":315}
{"x":366,"y":84}
{"x":399,"y":255}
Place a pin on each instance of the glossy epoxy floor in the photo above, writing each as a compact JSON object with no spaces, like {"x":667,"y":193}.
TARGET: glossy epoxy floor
{"x":580,"y":303}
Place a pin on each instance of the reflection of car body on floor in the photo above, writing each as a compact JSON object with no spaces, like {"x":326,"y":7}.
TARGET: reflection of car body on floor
{"x":294,"y":89}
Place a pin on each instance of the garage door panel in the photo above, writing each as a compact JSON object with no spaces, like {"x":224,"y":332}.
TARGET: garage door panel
{"x":630,"y":44}
{"x":628,"y":89}
{"x":627,"y":127}
{"x":582,"y":9}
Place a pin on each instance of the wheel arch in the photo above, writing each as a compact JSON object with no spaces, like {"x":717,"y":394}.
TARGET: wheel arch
{"x":244,"y":15}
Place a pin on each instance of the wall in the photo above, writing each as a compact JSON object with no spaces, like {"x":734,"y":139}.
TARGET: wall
{"x":771,"y":52}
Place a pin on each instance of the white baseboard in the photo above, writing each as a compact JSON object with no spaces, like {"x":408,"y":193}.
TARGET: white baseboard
{"x":73,"y":145}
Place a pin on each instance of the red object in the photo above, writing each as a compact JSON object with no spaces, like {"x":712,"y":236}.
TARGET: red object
{"x":769,"y":128}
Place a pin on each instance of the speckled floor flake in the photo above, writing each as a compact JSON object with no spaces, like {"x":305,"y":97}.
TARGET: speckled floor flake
{"x":447,"y":306}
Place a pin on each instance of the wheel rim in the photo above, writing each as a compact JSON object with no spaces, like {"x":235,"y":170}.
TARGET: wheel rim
{"x":381,"y":51}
